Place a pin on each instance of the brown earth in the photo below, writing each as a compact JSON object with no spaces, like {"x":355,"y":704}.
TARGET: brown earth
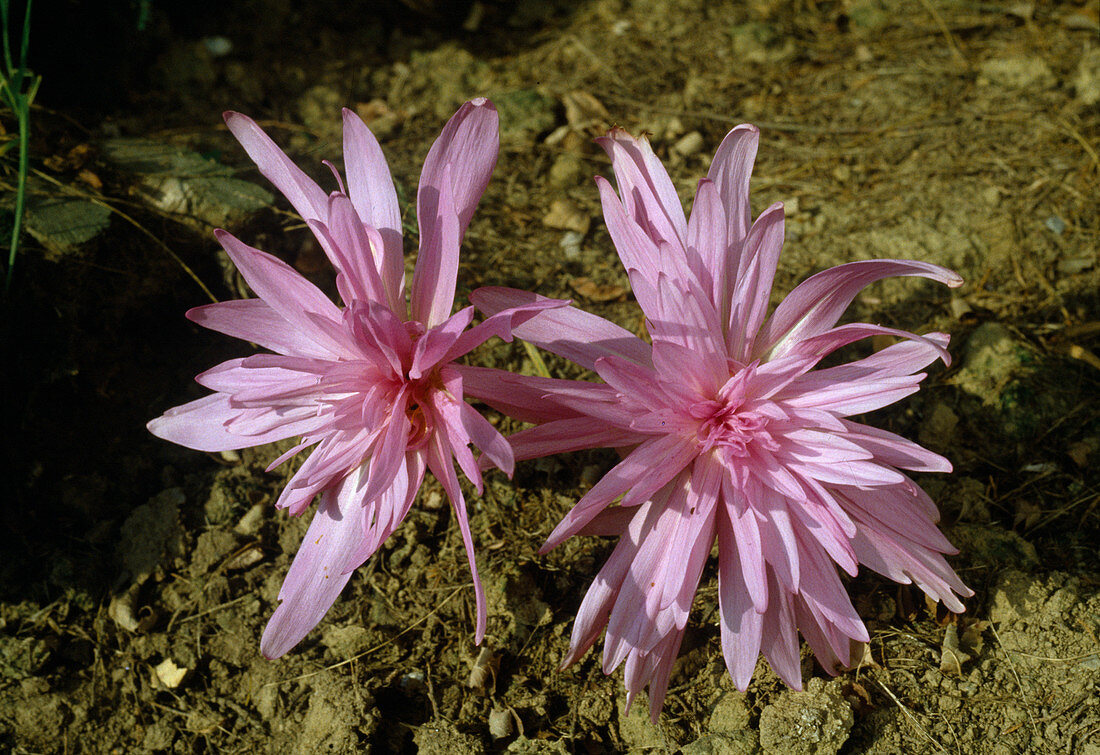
{"x":137,"y":576}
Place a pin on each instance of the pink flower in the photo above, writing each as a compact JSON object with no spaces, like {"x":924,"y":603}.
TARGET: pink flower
{"x":727,"y":433}
{"x":373,"y":390}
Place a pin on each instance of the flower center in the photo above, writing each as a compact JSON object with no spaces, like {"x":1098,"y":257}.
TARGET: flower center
{"x":728,"y":426}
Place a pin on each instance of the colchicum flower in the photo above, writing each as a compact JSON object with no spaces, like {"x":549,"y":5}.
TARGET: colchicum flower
{"x":372,"y":389}
{"x":728,"y":433}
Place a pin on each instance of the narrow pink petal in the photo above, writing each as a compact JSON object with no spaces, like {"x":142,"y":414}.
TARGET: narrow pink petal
{"x":599,"y":600}
{"x":745,"y":534}
{"x":635,"y":618}
{"x":377,"y":326}
{"x":288,"y":293}
{"x":372,"y":193}
{"x":857,"y":397}
{"x":636,"y":249}
{"x":741,"y":624}
{"x":779,"y":638}
{"x":632,"y":379}
{"x":501,"y":325}
{"x":707,"y":238}
{"x":333,"y":459}
{"x":254,"y":320}
{"x":436,"y":272}
{"x":316,"y":577}
{"x":730,"y":171}
{"x":646,"y":190}
{"x":468,"y":147}
{"x":487,"y":439}
{"x":684,"y":317}
{"x":665,"y":657}
{"x":390,"y":509}
{"x":692,"y":543}
{"x":439,"y":461}
{"x":446,"y":417}
{"x":568,"y":332}
{"x":894,"y":509}
{"x":823,"y":589}
{"x":347,"y":243}
{"x":389,"y":453}
{"x":203,"y":425}
{"x":752,"y":291}
{"x":907,"y":563}
{"x":433,"y":346}
{"x":816,"y":304}
{"x":567,"y":435}
{"x":645,"y":470}
{"x":523,"y":397}
{"x":903,"y":358}
{"x":238,"y":376}
{"x":821,"y":636}
{"x":307,"y":198}
{"x":777,"y":539}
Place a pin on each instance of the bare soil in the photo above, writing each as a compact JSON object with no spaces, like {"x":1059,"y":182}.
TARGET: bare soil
{"x":136,"y":576}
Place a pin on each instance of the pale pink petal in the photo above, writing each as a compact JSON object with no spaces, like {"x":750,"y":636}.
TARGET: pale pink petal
{"x":636,"y":249}
{"x":317,"y":575}
{"x":568,"y":332}
{"x":598,"y":601}
{"x":247,"y":380}
{"x":686,"y":318}
{"x":502,"y":325}
{"x":646,"y":469}
{"x":752,"y":291}
{"x":348,"y":245}
{"x":439,"y":461}
{"x":779,"y":637}
{"x":288,"y":293}
{"x":303,"y":193}
{"x":436,"y":272}
{"x":434,"y":345}
{"x":665,"y":657}
{"x":203,"y":425}
{"x":254,"y":320}
{"x":372,"y":193}
{"x":823,"y":589}
{"x":646,"y":190}
{"x":739,"y":621}
{"x":816,"y":304}
{"x":730,"y":171}
{"x":744,"y":533}
{"x":899,"y":359}
{"x":894,"y":509}
{"x":389,"y":452}
{"x":467,"y":147}
{"x":857,"y":397}
{"x":707,"y":238}
{"x":487,"y":439}
{"x":567,"y":435}
{"x":524,"y":397}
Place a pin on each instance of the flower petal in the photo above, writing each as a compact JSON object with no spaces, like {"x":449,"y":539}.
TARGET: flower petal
{"x":568,"y":332}
{"x":289,"y":294}
{"x":816,"y":304}
{"x":372,"y":193}
{"x":646,"y":190}
{"x":254,"y":320}
{"x":436,"y":271}
{"x":730,"y":171}
{"x":317,"y":575}
{"x":752,"y":291}
{"x":303,"y":193}
{"x":468,"y":144}
{"x":439,"y":461}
